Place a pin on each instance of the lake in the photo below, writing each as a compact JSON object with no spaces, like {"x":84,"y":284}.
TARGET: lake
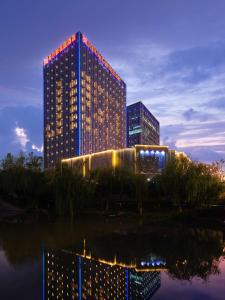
{"x":110,"y":259}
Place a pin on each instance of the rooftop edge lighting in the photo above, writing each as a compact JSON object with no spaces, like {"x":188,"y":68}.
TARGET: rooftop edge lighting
{"x":100,"y":57}
{"x":62,"y":47}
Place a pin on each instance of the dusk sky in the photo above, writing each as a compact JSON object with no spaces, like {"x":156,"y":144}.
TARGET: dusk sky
{"x":170,"y":53}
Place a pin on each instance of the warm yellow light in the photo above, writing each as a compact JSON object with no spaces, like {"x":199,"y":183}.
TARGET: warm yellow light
{"x":115,"y":262}
{"x":84,"y":170}
{"x":151,"y":146}
{"x":114,"y":159}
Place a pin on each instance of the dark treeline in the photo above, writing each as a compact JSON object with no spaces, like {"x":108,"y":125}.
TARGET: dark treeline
{"x":182,"y":184}
{"x":185,"y":183}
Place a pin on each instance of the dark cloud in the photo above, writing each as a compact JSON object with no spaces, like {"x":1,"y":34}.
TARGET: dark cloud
{"x":208,"y":56}
{"x":216,"y":103}
{"x":191,"y":114}
{"x":198,"y":63}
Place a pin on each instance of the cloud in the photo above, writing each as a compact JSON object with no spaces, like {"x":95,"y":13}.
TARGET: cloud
{"x":205,"y":154}
{"x":166,"y":90}
{"x":38,"y":149}
{"x":198,"y":63}
{"x":21,"y":137}
{"x":200,"y":141}
{"x":183,"y":88}
{"x":21,"y":127}
{"x":218,"y":104}
{"x":191,"y":114}
{"x":203,"y":141}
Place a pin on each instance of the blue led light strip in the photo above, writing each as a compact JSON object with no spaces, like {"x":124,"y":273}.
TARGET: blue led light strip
{"x":43,"y":274}
{"x":79,"y":96}
{"x":127,"y":283}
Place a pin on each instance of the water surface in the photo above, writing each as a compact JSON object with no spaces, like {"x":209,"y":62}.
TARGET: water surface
{"x":110,"y":259}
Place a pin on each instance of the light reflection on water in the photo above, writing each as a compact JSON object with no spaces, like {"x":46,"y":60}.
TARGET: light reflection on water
{"x":118,"y":261}
{"x":74,"y":276}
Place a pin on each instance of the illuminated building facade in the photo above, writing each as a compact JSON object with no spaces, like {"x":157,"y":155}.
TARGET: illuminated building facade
{"x":142,"y":126}
{"x":84,"y":102}
{"x":142,"y":159}
{"x":143,"y":285}
{"x":67,"y":275}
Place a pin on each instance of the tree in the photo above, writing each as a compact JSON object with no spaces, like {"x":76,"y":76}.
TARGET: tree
{"x":185,"y":183}
{"x":8,"y":162}
{"x":34,"y":162}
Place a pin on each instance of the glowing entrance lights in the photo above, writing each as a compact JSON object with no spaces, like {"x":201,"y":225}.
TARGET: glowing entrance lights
{"x":152,"y":152}
{"x":147,"y":152}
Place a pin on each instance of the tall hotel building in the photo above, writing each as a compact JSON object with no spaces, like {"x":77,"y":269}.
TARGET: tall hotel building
{"x":84,"y":102}
{"x":142,"y":126}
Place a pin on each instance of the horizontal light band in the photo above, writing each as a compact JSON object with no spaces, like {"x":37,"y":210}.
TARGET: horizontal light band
{"x":62,"y":47}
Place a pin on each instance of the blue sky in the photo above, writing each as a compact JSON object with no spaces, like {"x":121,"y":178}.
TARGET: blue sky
{"x":171,"y":54}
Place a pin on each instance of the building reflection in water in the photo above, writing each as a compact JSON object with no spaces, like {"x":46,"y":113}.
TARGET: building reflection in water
{"x":67,"y":275}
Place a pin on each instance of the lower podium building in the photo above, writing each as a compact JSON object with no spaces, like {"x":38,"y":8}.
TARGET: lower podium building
{"x":148,"y":160}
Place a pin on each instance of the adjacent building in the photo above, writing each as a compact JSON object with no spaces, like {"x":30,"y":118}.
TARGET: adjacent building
{"x":84,"y":102}
{"x":142,"y":126}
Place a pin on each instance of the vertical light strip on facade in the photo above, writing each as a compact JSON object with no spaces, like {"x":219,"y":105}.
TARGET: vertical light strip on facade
{"x":114,"y":159}
{"x":80,"y":279}
{"x":43,"y":275}
{"x":127,"y":283}
{"x":84,"y":167}
{"x":135,"y":160}
{"x":78,"y":95}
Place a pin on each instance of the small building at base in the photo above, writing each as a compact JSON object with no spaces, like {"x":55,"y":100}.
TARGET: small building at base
{"x":148,"y":160}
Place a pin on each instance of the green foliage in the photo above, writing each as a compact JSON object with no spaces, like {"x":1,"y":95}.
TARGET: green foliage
{"x":65,"y":191}
{"x":119,"y":187}
{"x":71,"y":191}
{"x":185,"y":183}
{"x":20,"y":180}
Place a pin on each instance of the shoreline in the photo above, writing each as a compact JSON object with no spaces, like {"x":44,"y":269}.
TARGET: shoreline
{"x":13,"y":215}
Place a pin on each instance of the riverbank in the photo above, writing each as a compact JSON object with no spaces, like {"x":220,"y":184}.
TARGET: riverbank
{"x":8,"y":210}
{"x":213,"y":217}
